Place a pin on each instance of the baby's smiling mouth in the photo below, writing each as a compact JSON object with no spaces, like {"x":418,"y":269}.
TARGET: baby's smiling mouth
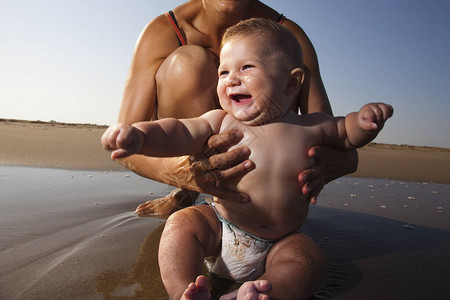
{"x":241,"y":98}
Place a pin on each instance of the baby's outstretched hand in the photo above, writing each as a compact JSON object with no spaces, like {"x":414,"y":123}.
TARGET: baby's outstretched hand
{"x":123,"y":140}
{"x":372,"y":116}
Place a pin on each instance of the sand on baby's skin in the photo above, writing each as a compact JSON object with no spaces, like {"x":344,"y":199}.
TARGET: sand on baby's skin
{"x":68,"y":231}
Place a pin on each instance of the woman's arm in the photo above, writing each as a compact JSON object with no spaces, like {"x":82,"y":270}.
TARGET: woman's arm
{"x":200,"y":174}
{"x":155,"y":43}
{"x":139,"y":96}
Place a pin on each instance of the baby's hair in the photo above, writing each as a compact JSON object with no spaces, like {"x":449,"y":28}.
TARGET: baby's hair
{"x":279,"y":38}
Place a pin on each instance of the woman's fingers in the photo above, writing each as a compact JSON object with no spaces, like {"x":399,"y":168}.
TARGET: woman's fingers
{"x":208,"y":173}
{"x":219,"y":143}
{"x":330,"y":163}
{"x":216,"y":164}
{"x":236,"y":171}
{"x":224,"y":161}
{"x":227,"y":194}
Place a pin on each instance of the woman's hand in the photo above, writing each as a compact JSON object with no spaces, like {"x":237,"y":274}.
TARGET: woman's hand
{"x":203,"y":172}
{"x":330,"y":163}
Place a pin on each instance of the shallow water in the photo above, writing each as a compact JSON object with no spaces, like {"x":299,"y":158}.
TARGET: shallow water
{"x":383,"y":239}
{"x":61,"y":230}
{"x":68,"y":234}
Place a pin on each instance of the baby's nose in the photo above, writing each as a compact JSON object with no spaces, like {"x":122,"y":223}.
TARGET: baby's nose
{"x":233,"y":80}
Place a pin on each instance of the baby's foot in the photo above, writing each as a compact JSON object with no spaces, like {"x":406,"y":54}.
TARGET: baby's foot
{"x":198,"y":290}
{"x":177,"y":199}
{"x":250,"y":290}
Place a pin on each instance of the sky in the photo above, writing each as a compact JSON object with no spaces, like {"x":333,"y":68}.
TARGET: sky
{"x":67,"y":60}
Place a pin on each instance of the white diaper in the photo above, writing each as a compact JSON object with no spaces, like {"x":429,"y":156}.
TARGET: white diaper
{"x":243,"y":255}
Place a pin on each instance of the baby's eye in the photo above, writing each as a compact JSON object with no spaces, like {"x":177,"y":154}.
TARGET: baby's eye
{"x":223,"y":73}
{"x":245,"y":67}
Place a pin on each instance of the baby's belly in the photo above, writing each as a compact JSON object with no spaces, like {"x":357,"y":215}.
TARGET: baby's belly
{"x":276,"y":209}
{"x":271,"y":225}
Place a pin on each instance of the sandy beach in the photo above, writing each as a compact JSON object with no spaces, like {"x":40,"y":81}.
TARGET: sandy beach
{"x":68,"y":230}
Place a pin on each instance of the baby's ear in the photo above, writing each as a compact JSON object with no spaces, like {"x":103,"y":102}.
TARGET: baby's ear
{"x":295,"y":81}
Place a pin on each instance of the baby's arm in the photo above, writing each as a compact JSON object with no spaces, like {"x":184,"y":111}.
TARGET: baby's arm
{"x":359,"y":128}
{"x":163,"y":138}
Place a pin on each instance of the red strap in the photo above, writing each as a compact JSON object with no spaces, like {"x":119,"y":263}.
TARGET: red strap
{"x":175,"y":27}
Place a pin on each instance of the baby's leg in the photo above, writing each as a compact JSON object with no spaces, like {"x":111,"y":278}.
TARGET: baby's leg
{"x":295,"y":267}
{"x":190,"y":235}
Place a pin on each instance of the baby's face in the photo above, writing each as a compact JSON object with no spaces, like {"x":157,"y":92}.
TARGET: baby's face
{"x":252,"y":81}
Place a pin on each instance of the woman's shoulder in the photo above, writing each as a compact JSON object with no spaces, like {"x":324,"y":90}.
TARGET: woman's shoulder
{"x":181,"y":13}
{"x":159,"y":26}
{"x":159,"y":36}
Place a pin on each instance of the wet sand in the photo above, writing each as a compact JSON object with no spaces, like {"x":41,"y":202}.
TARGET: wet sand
{"x":68,"y":230}
{"x":68,"y":234}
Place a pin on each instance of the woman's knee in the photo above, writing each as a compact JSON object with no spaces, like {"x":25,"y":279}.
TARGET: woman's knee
{"x":186,"y":83}
{"x":188,"y":64}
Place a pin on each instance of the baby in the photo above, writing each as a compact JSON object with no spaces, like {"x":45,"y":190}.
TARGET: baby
{"x":260,"y":74}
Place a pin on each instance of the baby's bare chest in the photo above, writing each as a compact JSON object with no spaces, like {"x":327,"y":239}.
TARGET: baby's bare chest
{"x":278,"y":145}
{"x":279,"y":151}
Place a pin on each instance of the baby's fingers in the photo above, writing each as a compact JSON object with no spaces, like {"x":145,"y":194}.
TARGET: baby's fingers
{"x":124,"y":137}
{"x":377,"y":112}
{"x":381,"y":111}
{"x":388,"y":111}
{"x":109,"y":138}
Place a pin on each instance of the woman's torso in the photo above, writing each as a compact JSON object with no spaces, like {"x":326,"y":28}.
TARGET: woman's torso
{"x":195,"y":29}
